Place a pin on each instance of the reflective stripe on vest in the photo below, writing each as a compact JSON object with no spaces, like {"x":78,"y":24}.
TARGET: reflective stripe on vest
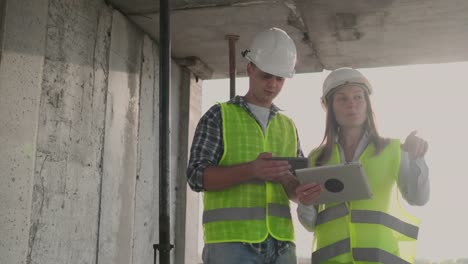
{"x":331,"y":214}
{"x":250,"y":211}
{"x":376,"y":255}
{"x":373,"y":217}
{"x":359,"y":254}
{"x":255,"y":213}
{"x":331,"y":251}
{"x":369,"y":217}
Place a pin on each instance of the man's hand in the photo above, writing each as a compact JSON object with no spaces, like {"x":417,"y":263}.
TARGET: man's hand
{"x":290,"y":184}
{"x":222,"y":177}
{"x":415,"y":146}
{"x":270,"y":170}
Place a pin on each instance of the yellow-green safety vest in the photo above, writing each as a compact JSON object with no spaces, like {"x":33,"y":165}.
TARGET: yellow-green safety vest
{"x":377,"y":230}
{"x":250,"y":211}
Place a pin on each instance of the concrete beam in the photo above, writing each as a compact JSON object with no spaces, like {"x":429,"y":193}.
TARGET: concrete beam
{"x":196,"y":66}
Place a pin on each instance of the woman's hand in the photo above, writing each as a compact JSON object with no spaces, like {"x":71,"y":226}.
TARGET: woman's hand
{"x":308,"y":193}
{"x":415,"y":146}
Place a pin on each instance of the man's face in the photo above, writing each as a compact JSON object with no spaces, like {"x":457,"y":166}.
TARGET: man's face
{"x":264,"y":87}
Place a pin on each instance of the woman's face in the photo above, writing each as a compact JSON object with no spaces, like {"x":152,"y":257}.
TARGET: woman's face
{"x":350,"y":106}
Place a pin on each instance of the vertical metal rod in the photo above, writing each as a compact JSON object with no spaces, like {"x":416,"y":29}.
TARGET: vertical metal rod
{"x":164,"y":245}
{"x":232,"y":63}
{"x":155,"y":248}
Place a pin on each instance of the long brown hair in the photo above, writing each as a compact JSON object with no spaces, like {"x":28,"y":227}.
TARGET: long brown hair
{"x":332,"y":131}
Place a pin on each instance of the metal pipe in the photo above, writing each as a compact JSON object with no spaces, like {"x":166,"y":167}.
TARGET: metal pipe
{"x":164,"y":245}
{"x":232,"y":64}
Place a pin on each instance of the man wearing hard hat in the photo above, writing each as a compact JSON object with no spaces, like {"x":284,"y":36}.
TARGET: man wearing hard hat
{"x":246,"y":217}
{"x":376,"y":230}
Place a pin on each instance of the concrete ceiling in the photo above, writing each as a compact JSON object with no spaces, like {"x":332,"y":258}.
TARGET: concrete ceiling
{"x":328,"y":33}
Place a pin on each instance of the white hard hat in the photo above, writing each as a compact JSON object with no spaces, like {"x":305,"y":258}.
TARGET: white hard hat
{"x":273,"y":52}
{"x":343,"y":76}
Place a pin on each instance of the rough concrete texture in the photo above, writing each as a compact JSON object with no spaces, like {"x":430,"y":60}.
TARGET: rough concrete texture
{"x":120,"y":144}
{"x":79,"y":134}
{"x":147,"y":181}
{"x":66,"y":193}
{"x":386,"y":33}
{"x":20,"y":86}
{"x":182,"y":160}
{"x":193,"y":198}
{"x":176,"y":110}
{"x":328,"y":33}
{"x":210,"y":26}
{"x":2,"y":24}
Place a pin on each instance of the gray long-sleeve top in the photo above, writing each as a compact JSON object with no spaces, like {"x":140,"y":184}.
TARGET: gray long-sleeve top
{"x":413,"y":183}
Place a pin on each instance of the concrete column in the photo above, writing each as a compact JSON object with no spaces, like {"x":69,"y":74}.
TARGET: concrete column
{"x":23,"y":34}
{"x":147,"y":182}
{"x":68,"y":170}
{"x":2,"y":25}
{"x":181,"y":238}
{"x":193,"y":199}
{"x":116,"y":225}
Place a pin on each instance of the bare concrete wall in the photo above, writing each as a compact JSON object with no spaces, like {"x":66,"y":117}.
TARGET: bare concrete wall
{"x":181,"y":183}
{"x":65,"y":201}
{"x":179,"y":98}
{"x":129,"y":201}
{"x":20,"y":85}
{"x":79,"y":125}
{"x":193,"y":199}
{"x":120,"y":144}
{"x":2,"y":26}
{"x":146,"y":230}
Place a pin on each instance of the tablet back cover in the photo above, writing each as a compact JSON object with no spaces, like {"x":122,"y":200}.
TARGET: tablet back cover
{"x":344,"y":182}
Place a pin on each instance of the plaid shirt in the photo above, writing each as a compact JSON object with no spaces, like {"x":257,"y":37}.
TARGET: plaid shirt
{"x":207,"y":147}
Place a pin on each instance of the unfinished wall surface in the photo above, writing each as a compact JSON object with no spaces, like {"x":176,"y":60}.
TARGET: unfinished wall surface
{"x":146,"y":230}
{"x":180,"y":163}
{"x":66,"y":194}
{"x":79,"y":126}
{"x":2,"y":26}
{"x":120,"y":144}
{"x":193,"y":198}
{"x":24,"y":41}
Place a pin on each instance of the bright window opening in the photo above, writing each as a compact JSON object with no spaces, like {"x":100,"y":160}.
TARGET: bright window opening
{"x":432,"y":99}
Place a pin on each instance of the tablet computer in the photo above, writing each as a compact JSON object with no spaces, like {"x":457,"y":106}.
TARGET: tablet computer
{"x":295,"y":162}
{"x":340,"y":183}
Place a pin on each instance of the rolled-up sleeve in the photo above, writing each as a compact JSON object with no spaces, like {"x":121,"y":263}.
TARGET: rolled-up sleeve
{"x":307,"y":215}
{"x":207,"y":147}
{"x":414,"y":180}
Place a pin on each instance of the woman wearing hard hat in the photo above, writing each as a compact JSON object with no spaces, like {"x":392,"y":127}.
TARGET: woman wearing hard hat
{"x":377,"y":229}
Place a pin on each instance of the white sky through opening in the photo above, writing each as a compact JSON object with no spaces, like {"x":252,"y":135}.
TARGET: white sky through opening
{"x":432,"y":99}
